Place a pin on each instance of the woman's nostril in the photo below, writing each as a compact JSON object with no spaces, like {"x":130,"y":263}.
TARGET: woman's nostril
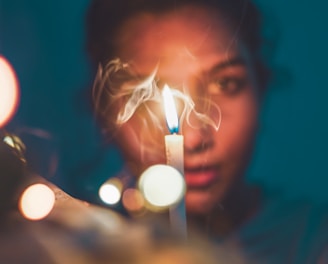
{"x":197,"y":148}
{"x":197,"y":140}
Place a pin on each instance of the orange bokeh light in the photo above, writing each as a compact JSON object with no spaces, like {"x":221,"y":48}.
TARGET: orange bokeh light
{"x":9,"y":91}
{"x":36,"y":202}
{"x":133,"y":200}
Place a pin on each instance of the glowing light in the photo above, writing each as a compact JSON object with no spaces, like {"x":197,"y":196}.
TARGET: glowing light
{"x":162,"y":186}
{"x":132,"y":200}
{"x":9,"y":141}
{"x":110,"y":191}
{"x":36,"y":202}
{"x":9,"y":93}
{"x":170,"y":110}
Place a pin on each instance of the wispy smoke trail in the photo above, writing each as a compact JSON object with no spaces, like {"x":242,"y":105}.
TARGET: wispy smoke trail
{"x":117,"y":82}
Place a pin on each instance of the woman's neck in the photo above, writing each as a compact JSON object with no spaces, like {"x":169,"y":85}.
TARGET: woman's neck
{"x":239,"y":206}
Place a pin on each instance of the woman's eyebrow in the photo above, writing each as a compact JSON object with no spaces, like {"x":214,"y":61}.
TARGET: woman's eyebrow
{"x":227,"y":63}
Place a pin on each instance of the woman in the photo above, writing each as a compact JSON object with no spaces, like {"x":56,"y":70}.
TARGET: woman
{"x":210,"y":51}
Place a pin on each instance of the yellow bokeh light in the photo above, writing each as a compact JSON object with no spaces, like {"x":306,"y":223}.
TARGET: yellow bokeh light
{"x":162,"y":186}
{"x":36,"y":202}
{"x":9,"y":93}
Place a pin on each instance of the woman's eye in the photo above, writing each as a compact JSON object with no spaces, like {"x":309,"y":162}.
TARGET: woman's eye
{"x":226,"y":86}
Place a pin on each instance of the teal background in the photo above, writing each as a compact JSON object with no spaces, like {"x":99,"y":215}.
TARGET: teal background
{"x":44,"y":41}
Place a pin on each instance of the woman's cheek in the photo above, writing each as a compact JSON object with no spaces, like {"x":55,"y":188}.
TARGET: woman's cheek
{"x":141,"y":146}
{"x":239,"y":122}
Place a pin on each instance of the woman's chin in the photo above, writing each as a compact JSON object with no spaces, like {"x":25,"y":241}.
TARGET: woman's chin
{"x":200,"y":202}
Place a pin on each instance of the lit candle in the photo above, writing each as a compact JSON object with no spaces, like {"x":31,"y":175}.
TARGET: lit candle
{"x":174,"y":158}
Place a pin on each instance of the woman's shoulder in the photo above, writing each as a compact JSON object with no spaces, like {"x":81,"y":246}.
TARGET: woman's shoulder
{"x":287,"y":230}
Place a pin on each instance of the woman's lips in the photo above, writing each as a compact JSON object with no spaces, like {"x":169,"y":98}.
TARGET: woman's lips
{"x":200,"y":178}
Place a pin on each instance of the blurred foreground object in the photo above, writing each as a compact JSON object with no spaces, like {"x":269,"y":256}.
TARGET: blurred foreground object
{"x":78,"y":232}
{"x":12,"y":169}
{"x":67,"y":230}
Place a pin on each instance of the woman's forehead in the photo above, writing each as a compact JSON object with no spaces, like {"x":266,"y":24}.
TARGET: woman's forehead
{"x":189,"y":37}
{"x":188,"y":27}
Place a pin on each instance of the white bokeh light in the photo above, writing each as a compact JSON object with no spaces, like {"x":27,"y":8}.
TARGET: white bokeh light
{"x":110,"y":192}
{"x":37,"y":201}
{"x":162,"y":186}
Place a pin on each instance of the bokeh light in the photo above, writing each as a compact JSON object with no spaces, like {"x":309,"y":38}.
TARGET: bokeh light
{"x":9,"y":141}
{"x":110,"y":192}
{"x":162,"y":186}
{"x":9,"y":93}
{"x":36,"y":202}
{"x":133,"y":201}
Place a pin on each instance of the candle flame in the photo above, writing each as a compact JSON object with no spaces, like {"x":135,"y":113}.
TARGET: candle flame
{"x":170,"y":110}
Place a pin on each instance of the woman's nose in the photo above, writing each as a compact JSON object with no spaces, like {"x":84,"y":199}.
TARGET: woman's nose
{"x":197,"y":139}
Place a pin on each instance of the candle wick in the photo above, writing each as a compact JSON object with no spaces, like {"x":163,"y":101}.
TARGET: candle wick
{"x":174,"y":130}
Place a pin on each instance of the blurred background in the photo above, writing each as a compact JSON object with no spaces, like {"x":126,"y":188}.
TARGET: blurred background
{"x":44,"y":41}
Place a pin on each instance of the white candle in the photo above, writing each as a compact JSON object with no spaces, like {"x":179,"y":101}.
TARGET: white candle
{"x":174,"y":158}
{"x":174,"y":151}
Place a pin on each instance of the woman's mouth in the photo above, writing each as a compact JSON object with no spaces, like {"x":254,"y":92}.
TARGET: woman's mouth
{"x":200,"y":177}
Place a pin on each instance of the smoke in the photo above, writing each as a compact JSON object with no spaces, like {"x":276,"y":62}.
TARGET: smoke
{"x":117,"y":84}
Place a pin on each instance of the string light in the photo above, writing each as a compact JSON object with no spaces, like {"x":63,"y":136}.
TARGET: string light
{"x":37,"y":201}
{"x":110,"y":192}
{"x":162,"y":186}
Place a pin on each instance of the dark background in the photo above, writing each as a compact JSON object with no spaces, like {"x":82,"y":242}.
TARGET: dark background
{"x":44,"y":41}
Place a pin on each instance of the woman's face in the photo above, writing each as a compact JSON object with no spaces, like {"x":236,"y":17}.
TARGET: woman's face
{"x":194,"y":49}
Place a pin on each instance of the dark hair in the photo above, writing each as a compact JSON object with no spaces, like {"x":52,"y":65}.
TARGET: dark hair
{"x":104,"y":18}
